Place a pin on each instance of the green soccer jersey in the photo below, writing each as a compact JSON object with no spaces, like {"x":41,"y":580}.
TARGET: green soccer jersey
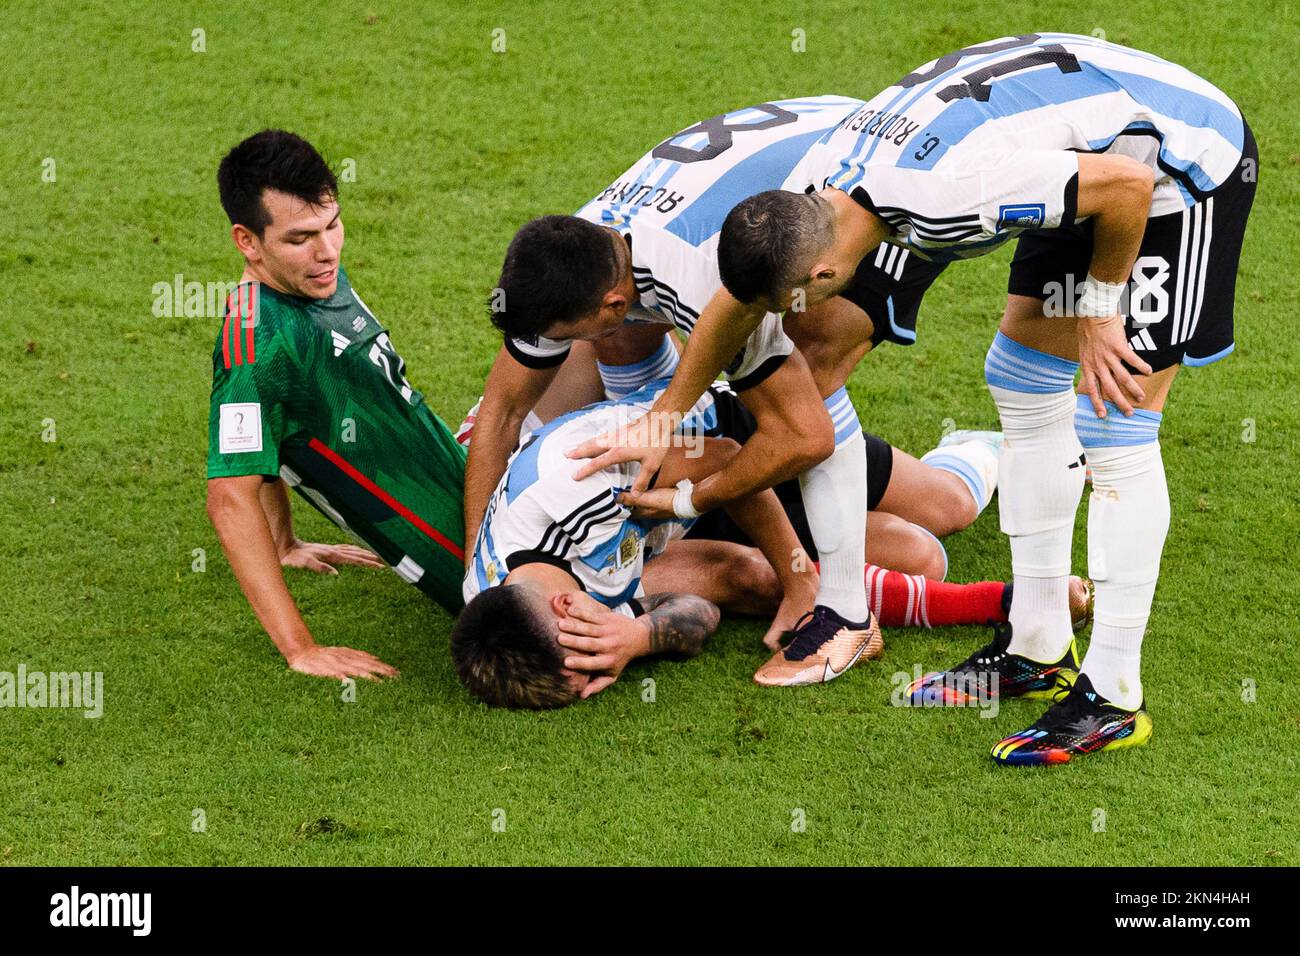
{"x":313,"y":391}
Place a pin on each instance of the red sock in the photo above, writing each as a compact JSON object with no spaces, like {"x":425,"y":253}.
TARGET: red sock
{"x":910,"y":600}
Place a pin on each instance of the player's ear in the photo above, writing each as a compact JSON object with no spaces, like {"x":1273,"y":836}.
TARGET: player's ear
{"x":245,"y":242}
{"x":560,"y":603}
{"x":823,"y":271}
{"x":616,"y":302}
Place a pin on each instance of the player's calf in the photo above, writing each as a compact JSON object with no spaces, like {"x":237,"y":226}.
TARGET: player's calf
{"x":1041,"y":479}
{"x":1128,"y":518}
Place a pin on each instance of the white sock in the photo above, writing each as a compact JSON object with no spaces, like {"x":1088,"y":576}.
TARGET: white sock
{"x":621,"y":381}
{"x":1034,"y":600}
{"x":974,"y":462}
{"x":1114,"y":663}
{"x":835,"y":499}
{"x":1040,"y":477}
{"x":1128,"y":518}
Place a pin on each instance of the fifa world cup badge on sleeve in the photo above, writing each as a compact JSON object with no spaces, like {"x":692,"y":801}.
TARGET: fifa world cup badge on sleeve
{"x":241,"y":427}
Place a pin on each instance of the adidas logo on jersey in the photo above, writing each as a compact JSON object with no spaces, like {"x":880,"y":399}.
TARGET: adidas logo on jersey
{"x":1142,"y":342}
{"x":341,"y":342}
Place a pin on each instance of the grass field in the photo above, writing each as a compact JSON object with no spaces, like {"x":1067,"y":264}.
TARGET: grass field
{"x":454,"y":147}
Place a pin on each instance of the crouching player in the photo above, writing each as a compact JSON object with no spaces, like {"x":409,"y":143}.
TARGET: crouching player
{"x":308,"y":393}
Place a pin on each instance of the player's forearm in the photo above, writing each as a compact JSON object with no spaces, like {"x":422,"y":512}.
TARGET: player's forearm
{"x":274,"y":496}
{"x":721,"y":331}
{"x":245,"y":535}
{"x":679,"y":624}
{"x":768,"y":458}
{"x":494,"y":438}
{"x":1116,"y":192}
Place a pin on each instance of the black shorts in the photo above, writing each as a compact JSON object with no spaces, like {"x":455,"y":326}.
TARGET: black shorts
{"x":736,"y":422}
{"x":1180,"y":297}
{"x":888,"y":286}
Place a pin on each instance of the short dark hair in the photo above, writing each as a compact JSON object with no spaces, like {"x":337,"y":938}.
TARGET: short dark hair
{"x":505,"y":652}
{"x":768,"y":239}
{"x":271,"y":159}
{"x":557,"y":269}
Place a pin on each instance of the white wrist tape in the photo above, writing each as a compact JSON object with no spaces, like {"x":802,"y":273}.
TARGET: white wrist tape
{"x":682,"y":506}
{"x":1100,"y":300}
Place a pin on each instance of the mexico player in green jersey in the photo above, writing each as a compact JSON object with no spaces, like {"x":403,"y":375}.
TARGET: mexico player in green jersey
{"x":308,"y":393}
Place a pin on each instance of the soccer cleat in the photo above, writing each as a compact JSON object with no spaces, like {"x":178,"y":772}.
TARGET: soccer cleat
{"x":823,"y":646}
{"x":1083,"y":722}
{"x":1017,"y":676}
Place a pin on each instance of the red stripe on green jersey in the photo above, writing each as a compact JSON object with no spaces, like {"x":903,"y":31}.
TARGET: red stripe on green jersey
{"x":252,"y":321}
{"x":225,"y":334}
{"x":343,"y":465}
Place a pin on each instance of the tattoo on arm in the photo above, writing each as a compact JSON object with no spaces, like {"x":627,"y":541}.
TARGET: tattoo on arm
{"x":680,"y":623}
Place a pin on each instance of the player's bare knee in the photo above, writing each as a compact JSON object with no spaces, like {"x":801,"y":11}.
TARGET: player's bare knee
{"x":934,"y":562}
{"x":955,"y":508}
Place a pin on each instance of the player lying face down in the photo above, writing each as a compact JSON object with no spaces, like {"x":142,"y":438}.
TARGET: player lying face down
{"x":297,"y":356}
{"x":554,"y":586}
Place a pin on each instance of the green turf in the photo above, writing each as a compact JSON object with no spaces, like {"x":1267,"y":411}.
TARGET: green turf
{"x":454,"y":147}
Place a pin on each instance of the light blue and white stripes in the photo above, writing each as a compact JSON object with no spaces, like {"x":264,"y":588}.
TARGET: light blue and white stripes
{"x":963,"y":469}
{"x":1018,"y":368}
{"x":1115,"y":429}
{"x":621,"y":381}
{"x":843,"y":416}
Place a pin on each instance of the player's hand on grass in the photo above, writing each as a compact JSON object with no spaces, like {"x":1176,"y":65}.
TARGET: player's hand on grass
{"x":646,"y":440}
{"x":1103,"y":350}
{"x":655,"y":503}
{"x":339,"y":663}
{"x":603,"y":642}
{"x":322,"y":558}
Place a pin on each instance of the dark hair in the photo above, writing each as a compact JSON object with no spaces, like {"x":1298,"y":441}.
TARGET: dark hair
{"x":557,"y":269}
{"x":768,"y":239}
{"x":505,"y":653}
{"x":271,"y":159}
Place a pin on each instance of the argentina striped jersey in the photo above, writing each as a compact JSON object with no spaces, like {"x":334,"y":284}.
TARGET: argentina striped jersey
{"x":539,"y":513}
{"x":671,"y":203}
{"x":980,"y":145}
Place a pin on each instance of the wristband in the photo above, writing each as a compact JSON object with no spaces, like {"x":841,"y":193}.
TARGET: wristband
{"x":1100,"y":300}
{"x":682,"y":506}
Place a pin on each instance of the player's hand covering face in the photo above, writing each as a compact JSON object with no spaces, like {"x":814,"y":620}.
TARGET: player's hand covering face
{"x":601,"y":642}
